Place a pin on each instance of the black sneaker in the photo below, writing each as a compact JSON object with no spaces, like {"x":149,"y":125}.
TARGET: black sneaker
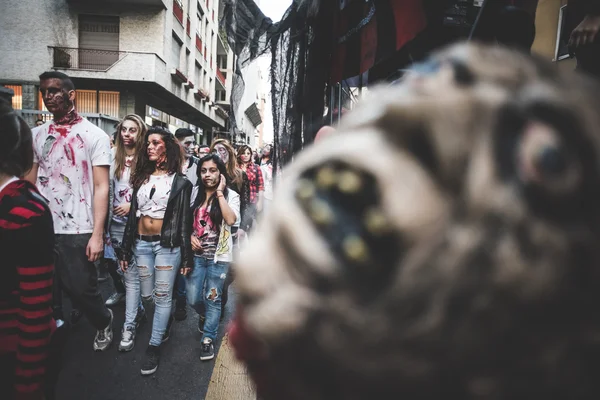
{"x":140,"y":317}
{"x":150,"y":364}
{"x":180,"y":309}
{"x":201,"y":321}
{"x":167,"y":333}
{"x":207,"y":350}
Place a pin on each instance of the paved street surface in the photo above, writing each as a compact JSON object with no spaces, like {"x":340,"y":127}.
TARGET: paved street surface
{"x":87,"y":375}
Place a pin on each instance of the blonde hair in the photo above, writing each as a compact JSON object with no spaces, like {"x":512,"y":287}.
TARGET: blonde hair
{"x":120,"y":146}
{"x":233,"y":170}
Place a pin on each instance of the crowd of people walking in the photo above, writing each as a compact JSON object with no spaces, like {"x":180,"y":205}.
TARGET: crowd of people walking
{"x":162,"y":213}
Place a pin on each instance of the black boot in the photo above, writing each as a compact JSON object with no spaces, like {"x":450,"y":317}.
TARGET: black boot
{"x":180,"y":309}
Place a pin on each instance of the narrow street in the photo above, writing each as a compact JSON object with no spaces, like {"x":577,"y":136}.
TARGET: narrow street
{"x":112,"y":375}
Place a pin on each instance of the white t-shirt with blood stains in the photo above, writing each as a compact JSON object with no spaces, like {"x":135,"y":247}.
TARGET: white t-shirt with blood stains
{"x":66,"y":155}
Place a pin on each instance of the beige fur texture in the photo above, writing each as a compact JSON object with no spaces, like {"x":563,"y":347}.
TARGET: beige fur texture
{"x":442,"y":244}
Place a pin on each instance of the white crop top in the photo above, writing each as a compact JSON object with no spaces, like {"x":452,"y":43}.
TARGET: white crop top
{"x":152,"y":197}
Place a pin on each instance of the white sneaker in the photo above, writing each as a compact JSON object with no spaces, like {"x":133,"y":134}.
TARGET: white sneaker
{"x":207,"y":350}
{"x":115,"y":299}
{"x":127,"y":339}
{"x":104,"y":336}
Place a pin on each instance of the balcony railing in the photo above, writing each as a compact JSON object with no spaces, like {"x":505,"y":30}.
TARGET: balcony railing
{"x":92,"y":59}
{"x":221,"y":77}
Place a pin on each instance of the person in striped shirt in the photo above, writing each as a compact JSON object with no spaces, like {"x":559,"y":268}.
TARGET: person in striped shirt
{"x":26,"y":323}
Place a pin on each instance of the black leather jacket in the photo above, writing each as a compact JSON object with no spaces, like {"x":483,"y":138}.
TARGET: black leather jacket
{"x":177,"y":224}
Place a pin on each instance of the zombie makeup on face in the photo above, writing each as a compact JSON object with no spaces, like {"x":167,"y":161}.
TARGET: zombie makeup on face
{"x":129,"y":132}
{"x":188,"y":144}
{"x":267,"y":151}
{"x":222,"y":153}
{"x":57,"y":99}
{"x":209,"y":173}
{"x":157,"y":149}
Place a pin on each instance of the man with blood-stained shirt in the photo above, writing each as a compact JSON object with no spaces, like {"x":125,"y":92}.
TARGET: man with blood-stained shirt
{"x":73,"y":157}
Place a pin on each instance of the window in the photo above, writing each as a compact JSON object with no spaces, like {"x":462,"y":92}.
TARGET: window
{"x":562,"y":37}
{"x":41,"y":105}
{"x":187,"y":63}
{"x":98,"y":41}
{"x":222,"y":62}
{"x":199,"y":26}
{"x":220,"y":95}
{"x":198,"y":74}
{"x":17,"y":100}
{"x":108,"y":103}
{"x":92,"y":102}
{"x":176,"y":45}
{"x":87,"y":101}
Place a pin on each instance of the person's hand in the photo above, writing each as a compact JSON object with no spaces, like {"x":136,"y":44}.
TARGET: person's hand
{"x":124,"y":265}
{"x":122,"y":210}
{"x":94,"y":248}
{"x":196,"y":245}
{"x":222,"y":183}
{"x":586,"y":32}
{"x":185,"y":271}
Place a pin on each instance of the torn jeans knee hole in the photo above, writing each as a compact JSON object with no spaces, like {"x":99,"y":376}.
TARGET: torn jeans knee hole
{"x":213,"y":294}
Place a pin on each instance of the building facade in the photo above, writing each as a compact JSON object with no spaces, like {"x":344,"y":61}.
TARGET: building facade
{"x":250,"y":112}
{"x":157,"y":58}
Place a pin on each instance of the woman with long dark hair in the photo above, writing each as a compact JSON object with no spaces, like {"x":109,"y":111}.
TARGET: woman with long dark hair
{"x":215,"y":210}
{"x":255,"y":178}
{"x":27,"y":248}
{"x":158,"y":232}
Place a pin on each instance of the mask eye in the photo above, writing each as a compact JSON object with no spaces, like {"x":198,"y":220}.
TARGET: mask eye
{"x":551,"y":161}
{"x":543,"y":159}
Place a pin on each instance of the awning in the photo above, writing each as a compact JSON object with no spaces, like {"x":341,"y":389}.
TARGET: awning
{"x":253,"y":114}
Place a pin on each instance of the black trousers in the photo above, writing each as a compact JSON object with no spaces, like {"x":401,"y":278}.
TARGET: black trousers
{"x":78,"y":277}
{"x":112,"y":266}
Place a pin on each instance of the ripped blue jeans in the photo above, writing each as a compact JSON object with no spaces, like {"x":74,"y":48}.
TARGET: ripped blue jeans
{"x":204,"y":287}
{"x":157,"y":268}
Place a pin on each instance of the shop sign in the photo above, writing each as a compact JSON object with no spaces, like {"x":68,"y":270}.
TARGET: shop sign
{"x":154,"y":112}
